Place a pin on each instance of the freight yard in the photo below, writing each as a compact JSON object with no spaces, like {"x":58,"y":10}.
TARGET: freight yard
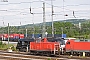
{"x":35,"y":52}
{"x":44,"y":30}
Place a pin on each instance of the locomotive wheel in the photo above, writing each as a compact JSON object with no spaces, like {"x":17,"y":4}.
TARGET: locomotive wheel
{"x":30,"y":52}
{"x":20,"y":50}
{"x":71,"y":52}
{"x":59,"y":52}
{"x":48,"y":54}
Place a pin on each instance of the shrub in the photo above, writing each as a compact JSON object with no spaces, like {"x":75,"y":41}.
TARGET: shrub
{"x":0,"y":43}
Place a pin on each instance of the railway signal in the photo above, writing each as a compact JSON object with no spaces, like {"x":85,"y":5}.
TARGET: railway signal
{"x":74,"y":14}
{"x":8,"y":35}
{"x":66,"y":15}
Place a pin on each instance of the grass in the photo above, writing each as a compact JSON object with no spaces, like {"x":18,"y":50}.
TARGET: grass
{"x":4,"y":46}
{"x":49,"y":58}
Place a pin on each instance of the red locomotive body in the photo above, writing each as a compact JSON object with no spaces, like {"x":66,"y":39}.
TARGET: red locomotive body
{"x":44,"y":47}
{"x":77,"y":46}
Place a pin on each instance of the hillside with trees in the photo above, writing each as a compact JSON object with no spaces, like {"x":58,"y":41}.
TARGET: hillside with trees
{"x":69,"y":28}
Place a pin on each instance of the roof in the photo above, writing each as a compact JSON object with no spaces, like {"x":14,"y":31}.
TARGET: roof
{"x":25,"y":39}
{"x":69,"y":38}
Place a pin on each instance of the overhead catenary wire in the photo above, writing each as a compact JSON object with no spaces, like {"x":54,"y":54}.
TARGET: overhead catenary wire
{"x":48,"y":4}
{"x":76,"y":13}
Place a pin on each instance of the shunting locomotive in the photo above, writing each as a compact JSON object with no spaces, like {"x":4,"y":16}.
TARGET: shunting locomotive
{"x":44,"y":47}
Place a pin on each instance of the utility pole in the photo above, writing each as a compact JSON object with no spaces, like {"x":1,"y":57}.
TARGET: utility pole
{"x":62,"y":31}
{"x":33,"y":31}
{"x":44,"y":22}
{"x":79,"y":28}
{"x":52,"y":19}
{"x":3,"y":30}
{"x":26,"y":32}
{"x":33,"y":25}
{"x":52,"y":23}
{"x":32,"y":22}
{"x":63,"y":10}
{"x":8,"y":35}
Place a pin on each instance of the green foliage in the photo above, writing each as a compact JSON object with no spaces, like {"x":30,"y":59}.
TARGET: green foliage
{"x":13,"y":48}
{"x":4,"y":46}
{"x":49,"y":58}
{"x":0,"y":43}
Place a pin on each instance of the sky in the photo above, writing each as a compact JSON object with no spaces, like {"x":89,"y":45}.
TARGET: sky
{"x":17,"y":12}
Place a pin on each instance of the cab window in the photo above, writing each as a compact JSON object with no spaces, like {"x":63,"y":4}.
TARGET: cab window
{"x":68,"y":42}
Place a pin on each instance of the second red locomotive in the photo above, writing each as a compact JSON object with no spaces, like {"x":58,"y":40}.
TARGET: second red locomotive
{"x":78,"y":47}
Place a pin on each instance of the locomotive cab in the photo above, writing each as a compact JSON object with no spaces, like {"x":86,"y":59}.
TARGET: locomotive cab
{"x":61,"y":41}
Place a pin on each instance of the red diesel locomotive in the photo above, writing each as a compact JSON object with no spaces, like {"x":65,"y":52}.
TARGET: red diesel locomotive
{"x":78,"y":47}
{"x":44,"y":47}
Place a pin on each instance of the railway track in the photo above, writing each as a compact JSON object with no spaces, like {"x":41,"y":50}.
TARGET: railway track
{"x":18,"y":56}
{"x":25,"y":56}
